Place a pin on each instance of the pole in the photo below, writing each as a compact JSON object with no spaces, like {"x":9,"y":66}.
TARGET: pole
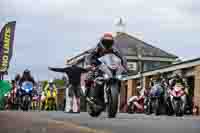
{"x":139,"y":54}
{"x":1,"y":76}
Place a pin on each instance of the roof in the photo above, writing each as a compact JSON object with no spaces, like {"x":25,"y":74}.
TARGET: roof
{"x":129,"y":44}
{"x":169,"y":68}
{"x":80,"y":56}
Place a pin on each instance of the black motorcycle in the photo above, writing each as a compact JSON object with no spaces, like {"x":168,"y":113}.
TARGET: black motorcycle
{"x":105,"y":87}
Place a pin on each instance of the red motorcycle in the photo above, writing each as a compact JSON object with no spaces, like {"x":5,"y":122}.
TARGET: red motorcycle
{"x":178,"y":99}
{"x":136,"y":104}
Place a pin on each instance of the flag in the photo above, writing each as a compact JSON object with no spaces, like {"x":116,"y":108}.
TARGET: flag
{"x":6,"y":45}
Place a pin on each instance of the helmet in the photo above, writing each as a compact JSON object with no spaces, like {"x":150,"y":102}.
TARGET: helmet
{"x":26,"y":71}
{"x":51,"y":81}
{"x":107,"y":41}
{"x":17,"y":77}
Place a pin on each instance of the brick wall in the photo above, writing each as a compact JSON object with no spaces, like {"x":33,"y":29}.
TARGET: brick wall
{"x":123,"y":97}
{"x":131,"y":88}
{"x":197,"y":85}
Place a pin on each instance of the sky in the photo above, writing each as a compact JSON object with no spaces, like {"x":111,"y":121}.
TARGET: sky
{"x":50,"y":31}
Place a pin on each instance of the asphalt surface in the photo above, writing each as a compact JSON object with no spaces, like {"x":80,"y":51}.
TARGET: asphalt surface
{"x":59,"y":122}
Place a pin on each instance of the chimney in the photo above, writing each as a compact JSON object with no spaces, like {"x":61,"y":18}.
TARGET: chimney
{"x":120,"y":25}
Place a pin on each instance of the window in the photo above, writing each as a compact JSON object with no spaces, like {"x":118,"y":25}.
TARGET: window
{"x":153,"y":65}
{"x":132,"y":66}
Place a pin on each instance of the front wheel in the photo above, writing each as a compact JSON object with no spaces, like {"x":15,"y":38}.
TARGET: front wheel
{"x":94,"y":104}
{"x":177,"y":108}
{"x":157,"y":107}
{"x":25,"y":102}
{"x":113,"y":100}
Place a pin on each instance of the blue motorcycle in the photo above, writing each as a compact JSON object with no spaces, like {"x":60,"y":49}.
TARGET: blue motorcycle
{"x":26,"y":95}
{"x":155,"y":99}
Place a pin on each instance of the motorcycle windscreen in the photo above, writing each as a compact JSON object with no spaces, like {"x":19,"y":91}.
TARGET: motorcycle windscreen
{"x":111,"y":61}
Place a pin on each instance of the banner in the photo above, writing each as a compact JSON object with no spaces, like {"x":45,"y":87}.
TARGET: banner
{"x":6,"y":45}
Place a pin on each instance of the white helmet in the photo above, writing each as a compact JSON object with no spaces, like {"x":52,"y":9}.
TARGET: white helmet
{"x":51,"y":81}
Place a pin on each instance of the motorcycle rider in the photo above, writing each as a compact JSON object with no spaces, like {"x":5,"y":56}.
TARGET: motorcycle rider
{"x":35,"y":98}
{"x":40,"y":91}
{"x":50,"y":91}
{"x":105,"y":46}
{"x":178,"y":78}
{"x":26,"y":77}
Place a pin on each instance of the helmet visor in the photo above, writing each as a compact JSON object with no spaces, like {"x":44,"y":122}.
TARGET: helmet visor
{"x":107,"y":43}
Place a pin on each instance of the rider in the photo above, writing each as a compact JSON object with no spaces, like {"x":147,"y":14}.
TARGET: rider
{"x":74,"y":79}
{"x":105,"y":46}
{"x":157,"y":88}
{"x":50,"y":92}
{"x":178,"y":78}
{"x":26,"y":77}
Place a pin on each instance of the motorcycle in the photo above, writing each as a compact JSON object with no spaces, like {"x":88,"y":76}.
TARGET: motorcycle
{"x":136,"y":105}
{"x":26,"y":91}
{"x":51,"y":99}
{"x":105,"y":86}
{"x":35,"y":102}
{"x":178,"y":99}
{"x":155,"y":100}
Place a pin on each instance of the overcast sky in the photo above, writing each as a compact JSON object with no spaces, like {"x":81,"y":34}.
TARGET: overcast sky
{"x":48,"y":31}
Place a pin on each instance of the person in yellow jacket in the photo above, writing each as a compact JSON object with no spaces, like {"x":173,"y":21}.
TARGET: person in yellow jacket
{"x":51,"y":96}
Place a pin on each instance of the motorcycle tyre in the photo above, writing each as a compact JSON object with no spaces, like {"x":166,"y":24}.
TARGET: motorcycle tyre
{"x":113,"y":100}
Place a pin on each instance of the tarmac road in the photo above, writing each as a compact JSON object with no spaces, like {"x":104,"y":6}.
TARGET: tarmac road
{"x":59,"y":122}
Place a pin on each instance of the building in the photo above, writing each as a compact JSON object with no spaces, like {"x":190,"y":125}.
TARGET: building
{"x":140,"y":55}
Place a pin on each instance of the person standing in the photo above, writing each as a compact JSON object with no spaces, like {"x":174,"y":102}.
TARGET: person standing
{"x":73,"y":90}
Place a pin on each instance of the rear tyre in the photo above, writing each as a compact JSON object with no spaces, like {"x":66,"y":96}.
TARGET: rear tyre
{"x":178,"y":110}
{"x":92,"y":111}
{"x":148,"y":108}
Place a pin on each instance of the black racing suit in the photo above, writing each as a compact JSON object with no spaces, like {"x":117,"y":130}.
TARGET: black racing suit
{"x":92,"y":58}
{"x":74,"y":76}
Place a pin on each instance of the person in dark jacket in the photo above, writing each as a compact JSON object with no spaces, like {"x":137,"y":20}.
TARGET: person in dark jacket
{"x":105,"y":46}
{"x":74,"y":76}
{"x":26,"y":77}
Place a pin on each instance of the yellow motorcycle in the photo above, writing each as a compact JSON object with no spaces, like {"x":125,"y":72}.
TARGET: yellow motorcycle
{"x":51,"y":98}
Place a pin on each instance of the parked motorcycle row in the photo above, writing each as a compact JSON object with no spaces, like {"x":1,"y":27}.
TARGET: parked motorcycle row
{"x":162,"y":98}
{"x":27,"y":98}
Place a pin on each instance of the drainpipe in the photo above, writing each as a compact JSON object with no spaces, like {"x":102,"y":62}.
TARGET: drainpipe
{"x":139,"y":54}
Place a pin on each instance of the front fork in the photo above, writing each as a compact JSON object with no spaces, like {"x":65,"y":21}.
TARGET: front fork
{"x":183,"y":100}
{"x":106,"y":93}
